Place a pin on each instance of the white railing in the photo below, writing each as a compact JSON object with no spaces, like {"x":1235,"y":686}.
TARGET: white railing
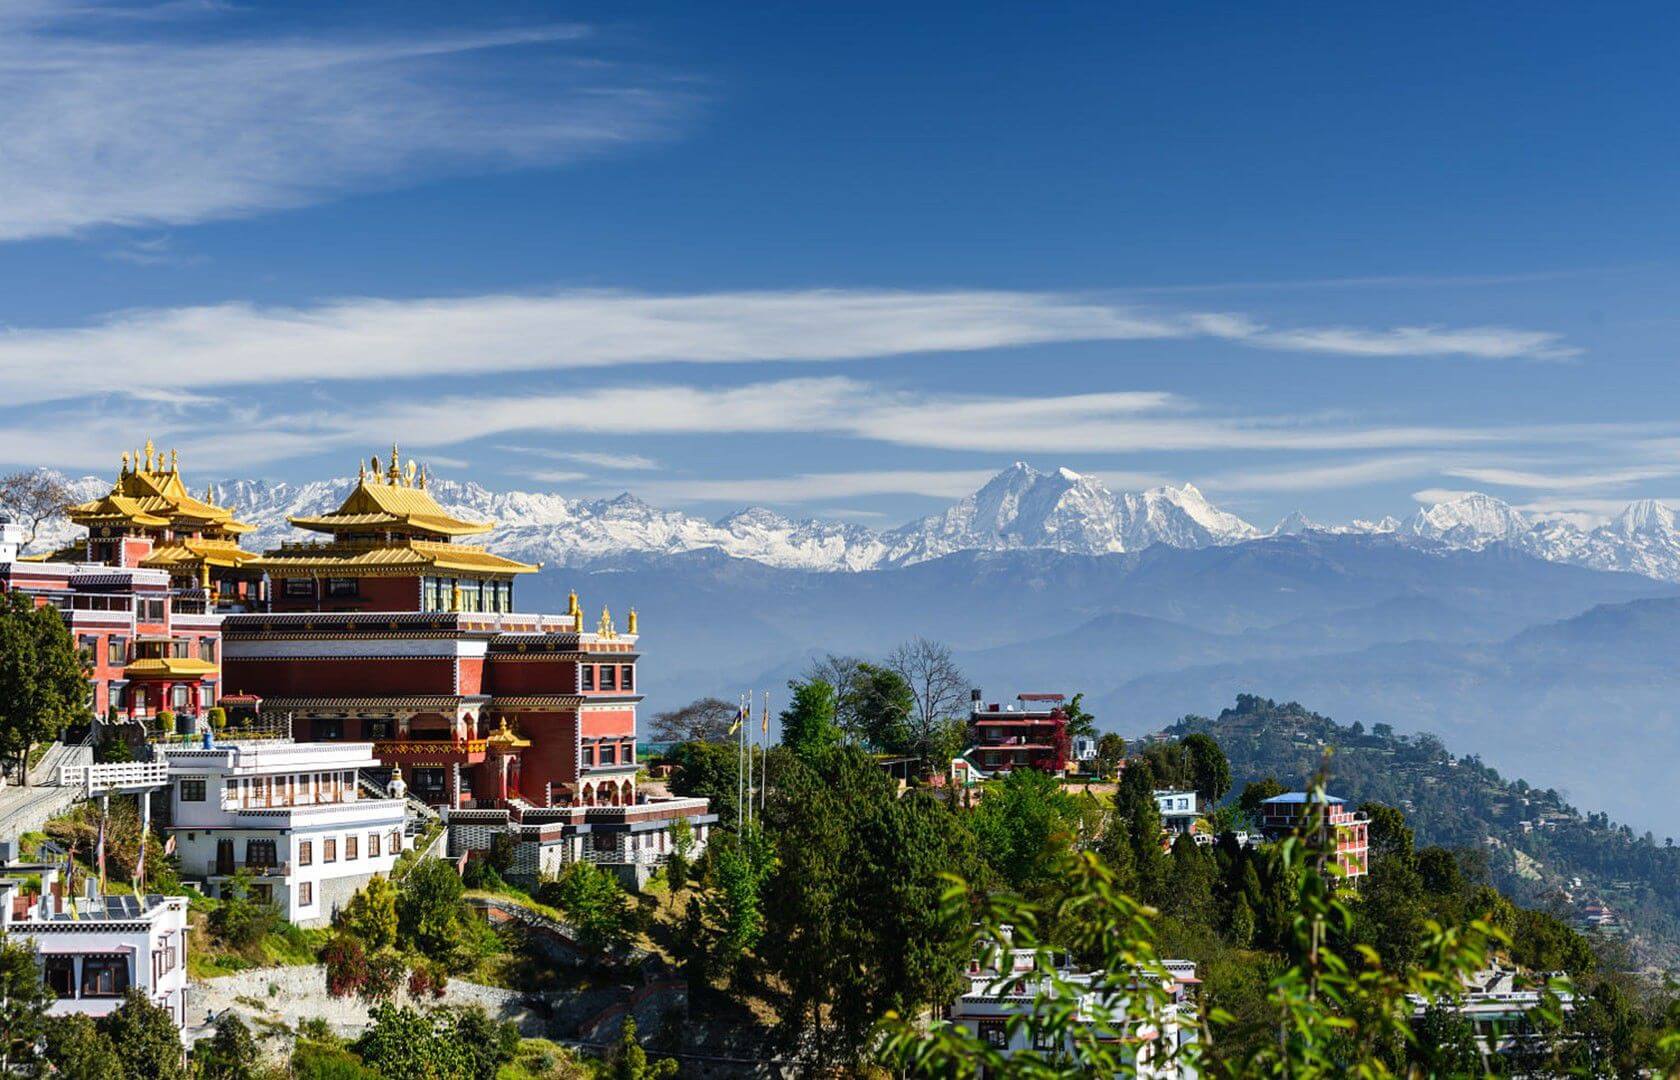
{"x":114,"y":775}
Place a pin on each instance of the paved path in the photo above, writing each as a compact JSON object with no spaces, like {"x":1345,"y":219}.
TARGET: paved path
{"x":23,"y":809}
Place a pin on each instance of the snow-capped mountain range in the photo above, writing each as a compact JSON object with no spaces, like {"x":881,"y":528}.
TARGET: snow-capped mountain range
{"x":1020,"y":508}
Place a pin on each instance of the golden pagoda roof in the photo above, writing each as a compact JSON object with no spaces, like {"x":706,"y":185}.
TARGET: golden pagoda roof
{"x":151,"y":495}
{"x":191,"y":551}
{"x":168,"y":665}
{"x":392,"y":499}
{"x":373,"y":559}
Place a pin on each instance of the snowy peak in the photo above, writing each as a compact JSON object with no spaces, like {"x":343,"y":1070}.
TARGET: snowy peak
{"x":1644,"y":516}
{"x":1471,"y":520}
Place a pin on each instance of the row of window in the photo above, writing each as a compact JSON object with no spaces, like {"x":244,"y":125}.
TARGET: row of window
{"x":117,"y":653}
{"x":331,"y":588}
{"x":102,"y":976}
{"x":465,"y":594}
{"x":609,"y":753}
{"x":608,"y":676}
{"x":352,"y":843}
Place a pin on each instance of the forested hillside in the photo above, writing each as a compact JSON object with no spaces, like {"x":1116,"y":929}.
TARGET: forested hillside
{"x":1538,"y":848}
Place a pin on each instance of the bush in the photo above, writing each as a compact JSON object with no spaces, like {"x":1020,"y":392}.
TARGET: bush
{"x":593,"y":902}
{"x":371,"y":915}
{"x":346,"y":964}
{"x":165,"y":722}
{"x":230,"y":1054}
{"x":218,"y":718}
{"x":313,"y":1060}
{"x":385,"y":971}
{"x":242,"y":921}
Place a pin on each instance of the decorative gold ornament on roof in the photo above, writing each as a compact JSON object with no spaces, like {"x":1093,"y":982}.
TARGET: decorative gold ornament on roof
{"x":606,"y":627}
{"x":149,"y":456}
{"x":410,"y":472}
{"x":395,"y":475}
{"x":630,"y":622}
{"x":572,"y":603}
{"x":174,"y":461}
{"x":423,"y":478}
{"x":361,"y":472}
{"x":377,"y":471}
{"x":125,"y":463}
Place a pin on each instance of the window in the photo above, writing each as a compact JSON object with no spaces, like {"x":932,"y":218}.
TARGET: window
{"x":60,"y":975}
{"x":329,"y":850}
{"x":589,"y":755}
{"x":180,"y":697}
{"x":262,"y":892}
{"x":349,"y":848}
{"x":180,"y":648}
{"x":104,"y":976}
{"x":88,"y":643}
{"x":343,"y":586}
{"x":306,"y":853}
{"x":306,"y":893}
{"x":328,"y":730}
{"x":373,"y":845}
{"x":298,"y":587}
{"x":589,"y":676}
{"x":261,"y":853}
{"x":207,"y":649}
{"x":1044,"y":1040}
{"x":609,"y":677}
{"x":151,"y":610}
{"x":192,"y":790}
{"x":393,"y":844}
{"x":609,"y":755}
{"x":116,"y":650}
{"x":627,"y":677}
{"x":995,"y":1033}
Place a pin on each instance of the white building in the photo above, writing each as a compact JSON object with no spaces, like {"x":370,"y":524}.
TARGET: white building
{"x":1007,"y":988}
{"x":292,"y":814}
{"x":1178,"y":809}
{"x":94,"y":951}
{"x":1499,"y":1004}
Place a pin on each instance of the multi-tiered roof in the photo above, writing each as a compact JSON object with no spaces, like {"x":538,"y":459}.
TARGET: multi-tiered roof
{"x":389,"y":526}
{"x":189,"y":535}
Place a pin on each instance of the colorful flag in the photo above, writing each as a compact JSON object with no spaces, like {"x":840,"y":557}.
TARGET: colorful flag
{"x":740,"y":718}
{"x":140,"y":866}
{"x":169,"y":845}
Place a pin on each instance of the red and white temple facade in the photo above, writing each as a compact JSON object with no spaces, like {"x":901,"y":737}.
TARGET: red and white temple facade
{"x":395,"y":632}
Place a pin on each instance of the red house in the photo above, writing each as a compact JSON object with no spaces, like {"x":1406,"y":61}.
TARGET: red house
{"x":1032,"y":733}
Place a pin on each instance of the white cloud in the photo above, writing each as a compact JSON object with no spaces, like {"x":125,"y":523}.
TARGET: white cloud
{"x":1324,"y":476}
{"x":619,"y":462}
{"x":138,"y":122}
{"x":237,"y":343}
{"x":813,"y":487}
{"x":1573,"y":481}
{"x":1430,"y":496}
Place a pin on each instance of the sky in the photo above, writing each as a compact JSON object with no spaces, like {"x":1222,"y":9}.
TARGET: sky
{"x":849,"y":260}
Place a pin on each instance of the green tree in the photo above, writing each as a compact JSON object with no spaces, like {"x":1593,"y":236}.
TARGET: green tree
{"x":628,"y":1061}
{"x":146,"y":1039}
{"x":1210,"y":772}
{"x":43,"y":679}
{"x":407,"y":1044}
{"x":1024,"y":825}
{"x":230,"y":1054}
{"x":882,"y":704}
{"x":428,"y":905}
{"x":853,"y":922}
{"x":371,"y":915}
{"x":1111,"y":751}
{"x":241,"y":920}
{"x":1080,"y":721}
{"x":78,"y":1050}
{"x":486,"y":1043}
{"x":808,"y":724}
{"x":23,"y":1002}
{"x":708,"y":770}
{"x":1256,"y":792}
{"x":1187,"y":892}
{"x":1131,"y":841}
{"x":594,"y":903}
{"x":681,"y":863}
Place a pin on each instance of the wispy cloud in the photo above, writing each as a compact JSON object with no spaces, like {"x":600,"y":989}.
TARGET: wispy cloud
{"x":1316,"y":477}
{"x":1565,"y":481}
{"x":615,"y":462}
{"x":139,"y":121}
{"x":240,"y":343}
{"x":151,"y":251}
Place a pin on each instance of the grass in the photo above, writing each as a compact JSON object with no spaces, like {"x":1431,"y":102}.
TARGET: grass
{"x":517,"y":897}
{"x":284,"y":946}
{"x":540,"y":1059}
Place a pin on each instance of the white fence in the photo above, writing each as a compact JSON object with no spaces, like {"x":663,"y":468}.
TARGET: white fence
{"x":114,"y":776}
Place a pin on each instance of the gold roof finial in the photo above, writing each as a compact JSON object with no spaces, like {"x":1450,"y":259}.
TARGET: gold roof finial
{"x":210,"y":494}
{"x":572,"y":603}
{"x":361,"y":472}
{"x":174,"y":461}
{"x":149,"y":453}
{"x":396,"y":465}
{"x":630,"y":622}
{"x":125,"y":463}
{"x":606,"y":627}
{"x":423,"y":478}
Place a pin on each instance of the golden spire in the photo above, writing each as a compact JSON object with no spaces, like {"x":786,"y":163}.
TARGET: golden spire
{"x":174,"y":461}
{"x":630,"y":622}
{"x":606,"y":627}
{"x":422,"y":478}
{"x":210,"y":494}
{"x":149,"y":453}
{"x":396,"y":466}
{"x":572,"y":603}
{"x":125,"y":463}
{"x":361,"y":472}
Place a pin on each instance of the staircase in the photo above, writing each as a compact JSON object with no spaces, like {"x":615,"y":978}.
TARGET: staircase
{"x":376,"y":782}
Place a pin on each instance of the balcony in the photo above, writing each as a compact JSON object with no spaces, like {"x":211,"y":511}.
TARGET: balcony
{"x":468,"y":751}
{"x":257,"y":870}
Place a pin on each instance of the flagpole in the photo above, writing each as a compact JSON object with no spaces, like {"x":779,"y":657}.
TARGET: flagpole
{"x":740,"y":745}
{"x":764,"y":773}
{"x":746,"y":721}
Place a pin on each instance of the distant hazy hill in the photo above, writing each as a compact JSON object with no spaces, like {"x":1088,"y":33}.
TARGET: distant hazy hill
{"x":1464,"y":802}
{"x":1589,"y":704}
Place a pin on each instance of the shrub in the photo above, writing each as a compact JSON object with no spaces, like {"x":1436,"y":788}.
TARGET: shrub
{"x":242,"y":921}
{"x":371,"y":915}
{"x":347,"y":966}
{"x":218,"y":718}
{"x":385,"y":970}
{"x":165,"y":722}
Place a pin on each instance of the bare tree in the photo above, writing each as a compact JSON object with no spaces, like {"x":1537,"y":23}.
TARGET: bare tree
{"x":32,"y":496}
{"x":940,"y":689}
{"x":702,"y":720}
{"x":845,"y":675}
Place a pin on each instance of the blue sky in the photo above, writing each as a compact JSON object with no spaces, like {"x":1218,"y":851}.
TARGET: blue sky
{"x":847,"y":260}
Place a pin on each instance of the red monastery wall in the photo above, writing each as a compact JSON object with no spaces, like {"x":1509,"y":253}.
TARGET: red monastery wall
{"x":510,"y":676}
{"x":598,"y":722}
{"x":552,"y":755}
{"x":349,"y":676}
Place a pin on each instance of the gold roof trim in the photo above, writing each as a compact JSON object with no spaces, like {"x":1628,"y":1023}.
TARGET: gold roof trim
{"x":351,"y":560}
{"x":168,"y":665}
{"x":393,"y":497}
{"x":150,"y":494}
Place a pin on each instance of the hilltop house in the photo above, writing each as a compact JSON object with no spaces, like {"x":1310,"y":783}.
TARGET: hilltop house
{"x":1347,"y":829}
